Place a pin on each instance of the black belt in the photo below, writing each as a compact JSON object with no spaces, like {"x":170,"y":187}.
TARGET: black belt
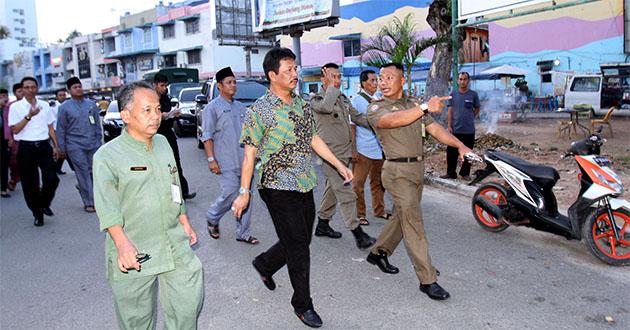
{"x":405,"y":159}
{"x":33,"y":143}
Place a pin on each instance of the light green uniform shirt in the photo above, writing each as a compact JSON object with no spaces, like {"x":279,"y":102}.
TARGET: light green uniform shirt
{"x":132,"y":188}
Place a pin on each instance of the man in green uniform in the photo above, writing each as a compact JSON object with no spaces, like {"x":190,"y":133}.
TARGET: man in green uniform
{"x":139,"y":203}
{"x":400,"y":124}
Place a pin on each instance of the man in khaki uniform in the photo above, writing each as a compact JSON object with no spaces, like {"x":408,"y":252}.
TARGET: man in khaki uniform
{"x":333,"y":112}
{"x":400,"y":122}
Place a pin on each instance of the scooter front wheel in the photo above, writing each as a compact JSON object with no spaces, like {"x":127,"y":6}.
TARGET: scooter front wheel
{"x":600,"y":238}
{"x":495,"y":194}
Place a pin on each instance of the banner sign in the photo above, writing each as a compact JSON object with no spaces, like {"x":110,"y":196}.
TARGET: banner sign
{"x":272,"y":14}
{"x":475,"y":8}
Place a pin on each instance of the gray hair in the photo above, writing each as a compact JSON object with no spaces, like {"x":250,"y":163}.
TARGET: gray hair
{"x":125,"y":95}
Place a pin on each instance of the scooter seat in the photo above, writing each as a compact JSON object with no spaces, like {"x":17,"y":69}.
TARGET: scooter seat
{"x":546,"y":176}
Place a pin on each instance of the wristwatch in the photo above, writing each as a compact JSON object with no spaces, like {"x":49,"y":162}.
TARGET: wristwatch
{"x":425,"y":108}
{"x":210,"y":159}
{"x":243,"y":190}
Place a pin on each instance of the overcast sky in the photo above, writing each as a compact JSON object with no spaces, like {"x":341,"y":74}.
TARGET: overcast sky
{"x":56,"y":19}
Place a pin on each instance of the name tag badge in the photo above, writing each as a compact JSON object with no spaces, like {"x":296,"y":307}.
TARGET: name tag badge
{"x":138,"y":168}
{"x":92,"y":119}
{"x":424,"y":131}
{"x":176,"y":194}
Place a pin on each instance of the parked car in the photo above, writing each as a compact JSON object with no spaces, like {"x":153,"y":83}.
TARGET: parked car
{"x":248,"y":91}
{"x":611,"y":88}
{"x":112,"y":123}
{"x":186,"y":123}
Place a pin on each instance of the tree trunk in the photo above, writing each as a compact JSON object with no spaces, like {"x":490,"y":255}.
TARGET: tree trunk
{"x":439,"y":18}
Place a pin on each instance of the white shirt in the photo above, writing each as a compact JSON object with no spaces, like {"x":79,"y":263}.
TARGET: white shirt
{"x":55,"y":111}
{"x":37,"y":128}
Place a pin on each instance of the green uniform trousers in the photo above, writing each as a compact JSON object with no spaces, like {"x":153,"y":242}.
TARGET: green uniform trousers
{"x":181,"y":296}
{"x":405,"y":181}
{"x":335,"y":190}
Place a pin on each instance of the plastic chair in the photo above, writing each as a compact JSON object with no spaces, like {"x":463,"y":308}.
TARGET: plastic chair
{"x":605,"y":121}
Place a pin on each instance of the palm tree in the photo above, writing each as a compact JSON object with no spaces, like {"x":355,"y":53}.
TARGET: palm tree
{"x":4,"y":32}
{"x":398,"y":42}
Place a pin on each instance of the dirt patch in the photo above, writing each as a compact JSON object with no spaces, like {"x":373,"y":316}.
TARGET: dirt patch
{"x":535,"y":140}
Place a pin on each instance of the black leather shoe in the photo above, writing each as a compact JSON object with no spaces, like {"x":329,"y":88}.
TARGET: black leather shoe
{"x":324,"y":229}
{"x":381,"y":261}
{"x":48,"y":212}
{"x":39,"y":222}
{"x":266,"y":279}
{"x":362,"y":239}
{"x":434,"y":291}
{"x":190,"y":195}
{"x":310,"y":318}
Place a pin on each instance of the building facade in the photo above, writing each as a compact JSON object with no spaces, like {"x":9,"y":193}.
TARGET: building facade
{"x":576,"y":39}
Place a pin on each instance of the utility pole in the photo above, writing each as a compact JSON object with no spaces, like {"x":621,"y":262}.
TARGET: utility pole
{"x":455,"y":44}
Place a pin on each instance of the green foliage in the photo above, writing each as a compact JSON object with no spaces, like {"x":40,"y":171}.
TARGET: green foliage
{"x":4,"y":32}
{"x":398,"y":42}
{"x":73,"y":35}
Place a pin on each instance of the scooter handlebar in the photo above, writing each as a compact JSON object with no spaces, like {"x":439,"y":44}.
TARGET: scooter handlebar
{"x":473,"y":157}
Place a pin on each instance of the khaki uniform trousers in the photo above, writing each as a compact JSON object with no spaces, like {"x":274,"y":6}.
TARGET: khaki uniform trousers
{"x":405,"y":181}
{"x":181,"y":297}
{"x":361,"y":169}
{"x":336,"y":191}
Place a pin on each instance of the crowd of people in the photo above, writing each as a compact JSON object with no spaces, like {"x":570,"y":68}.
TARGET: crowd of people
{"x":378,"y":133}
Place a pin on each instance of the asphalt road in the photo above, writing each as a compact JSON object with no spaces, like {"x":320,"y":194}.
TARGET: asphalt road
{"x":53,"y":277}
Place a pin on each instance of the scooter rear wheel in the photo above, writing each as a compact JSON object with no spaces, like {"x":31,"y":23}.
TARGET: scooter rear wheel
{"x":496,"y":194}
{"x":600,"y":238}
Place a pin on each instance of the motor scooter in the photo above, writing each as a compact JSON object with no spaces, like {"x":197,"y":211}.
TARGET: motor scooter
{"x":525,"y":197}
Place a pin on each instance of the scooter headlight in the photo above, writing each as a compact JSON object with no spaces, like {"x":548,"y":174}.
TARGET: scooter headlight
{"x":617,"y":187}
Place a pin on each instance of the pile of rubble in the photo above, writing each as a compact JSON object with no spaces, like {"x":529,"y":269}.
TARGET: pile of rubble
{"x":494,"y":141}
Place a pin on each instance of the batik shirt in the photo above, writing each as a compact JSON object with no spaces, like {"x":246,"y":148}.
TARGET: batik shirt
{"x":282,"y":133}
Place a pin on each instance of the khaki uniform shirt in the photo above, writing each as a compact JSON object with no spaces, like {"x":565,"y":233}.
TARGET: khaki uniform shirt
{"x":403,"y":141}
{"x":132,"y":188}
{"x":333,"y":112}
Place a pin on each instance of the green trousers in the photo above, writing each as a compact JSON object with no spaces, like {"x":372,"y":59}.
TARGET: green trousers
{"x":181,"y":296}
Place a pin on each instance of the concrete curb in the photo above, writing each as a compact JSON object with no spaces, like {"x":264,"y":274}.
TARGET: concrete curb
{"x":450,"y":185}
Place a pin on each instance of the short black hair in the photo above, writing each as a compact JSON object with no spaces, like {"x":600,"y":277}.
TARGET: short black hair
{"x":365,"y":75}
{"x":125,"y":95}
{"x":73,"y":81}
{"x":60,"y":90}
{"x":16,"y":87}
{"x":273,"y":58}
{"x":29,"y":78}
{"x":396,"y":65}
{"x":330,"y":66}
{"x":160,"y":78}
{"x":4,"y":91}
{"x":464,"y":73}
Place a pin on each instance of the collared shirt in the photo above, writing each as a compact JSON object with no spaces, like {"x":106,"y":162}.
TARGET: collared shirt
{"x":79,"y":125}
{"x":367,"y":142}
{"x":403,"y":141}
{"x":282,"y":133}
{"x":132,"y":188}
{"x":333,"y":112}
{"x":222,"y":123}
{"x":37,"y":128}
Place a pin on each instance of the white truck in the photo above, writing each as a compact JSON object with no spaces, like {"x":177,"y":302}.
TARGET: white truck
{"x":601,"y":91}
